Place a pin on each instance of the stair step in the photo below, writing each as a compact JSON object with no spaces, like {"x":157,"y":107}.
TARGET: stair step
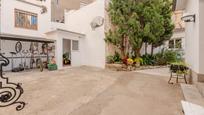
{"x":200,"y":87}
{"x":192,"y":109}
{"x":192,"y":94}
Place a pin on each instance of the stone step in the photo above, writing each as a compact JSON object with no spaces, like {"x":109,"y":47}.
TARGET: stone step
{"x":200,"y":87}
{"x":192,"y":109}
{"x":192,"y":94}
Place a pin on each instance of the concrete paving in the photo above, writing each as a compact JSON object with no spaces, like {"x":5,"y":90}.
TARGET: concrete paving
{"x":157,"y":71}
{"x":93,"y":91}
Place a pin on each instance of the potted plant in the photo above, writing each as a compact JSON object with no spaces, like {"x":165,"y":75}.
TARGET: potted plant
{"x":179,"y":68}
{"x":138,"y":62}
{"x":66,"y":60}
{"x":130,"y":62}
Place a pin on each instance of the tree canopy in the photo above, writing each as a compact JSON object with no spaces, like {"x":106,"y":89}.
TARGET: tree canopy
{"x":135,"y":22}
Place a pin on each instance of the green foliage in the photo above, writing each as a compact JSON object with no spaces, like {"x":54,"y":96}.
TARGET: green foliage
{"x":109,"y":59}
{"x":137,"y":21}
{"x":166,"y":57}
{"x":66,"y":59}
{"x":179,"y":63}
{"x":138,"y":60}
{"x":114,"y":59}
{"x":148,"y":59}
{"x":179,"y":67}
{"x":166,"y":12}
{"x":170,"y":56}
{"x":159,"y":59}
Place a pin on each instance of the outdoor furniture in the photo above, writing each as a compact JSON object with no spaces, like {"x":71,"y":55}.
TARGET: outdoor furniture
{"x":178,"y":71}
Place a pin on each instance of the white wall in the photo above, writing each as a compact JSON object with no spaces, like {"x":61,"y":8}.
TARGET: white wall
{"x":66,"y":46}
{"x":0,"y":16}
{"x":8,"y":20}
{"x":192,"y":36}
{"x":201,"y":36}
{"x":180,"y":34}
{"x":76,"y":56}
{"x":94,"y":44}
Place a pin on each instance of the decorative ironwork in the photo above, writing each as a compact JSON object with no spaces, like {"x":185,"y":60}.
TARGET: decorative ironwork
{"x":180,"y":71}
{"x":9,"y":92}
{"x":18,"y":47}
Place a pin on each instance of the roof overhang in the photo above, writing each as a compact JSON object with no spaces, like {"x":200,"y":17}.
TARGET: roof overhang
{"x":13,"y":37}
{"x":179,"y":4}
{"x":67,"y":31}
{"x":30,"y":3}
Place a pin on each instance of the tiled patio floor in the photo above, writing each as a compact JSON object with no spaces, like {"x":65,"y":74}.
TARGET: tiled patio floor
{"x":92,"y":91}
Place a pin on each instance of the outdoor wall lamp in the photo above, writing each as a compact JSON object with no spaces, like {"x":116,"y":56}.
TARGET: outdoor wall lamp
{"x":43,"y":10}
{"x":188,"y":18}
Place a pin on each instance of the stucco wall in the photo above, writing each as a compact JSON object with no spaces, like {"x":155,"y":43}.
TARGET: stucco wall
{"x":66,"y":46}
{"x":59,"y":6}
{"x":8,"y":20}
{"x":192,"y":36}
{"x":94,"y":44}
{"x":201,"y":36}
{"x":76,"y":56}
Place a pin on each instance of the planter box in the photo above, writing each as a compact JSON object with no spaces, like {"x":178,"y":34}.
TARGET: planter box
{"x":178,"y":68}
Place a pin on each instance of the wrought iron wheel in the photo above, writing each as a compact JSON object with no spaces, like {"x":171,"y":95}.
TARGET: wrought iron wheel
{"x":18,"y":47}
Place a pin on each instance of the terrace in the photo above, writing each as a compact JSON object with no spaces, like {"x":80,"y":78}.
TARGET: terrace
{"x":94,"y":91}
{"x":144,"y":52}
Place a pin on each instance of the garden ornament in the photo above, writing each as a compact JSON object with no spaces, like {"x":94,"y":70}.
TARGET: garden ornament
{"x":9,"y":92}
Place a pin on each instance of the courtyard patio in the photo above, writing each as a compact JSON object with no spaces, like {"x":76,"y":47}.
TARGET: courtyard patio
{"x":93,"y":91}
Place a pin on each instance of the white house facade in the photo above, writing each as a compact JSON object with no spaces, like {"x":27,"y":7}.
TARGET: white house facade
{"x":194,"y":42}
{"x":26,"y":31}
{"x":81,"y":36}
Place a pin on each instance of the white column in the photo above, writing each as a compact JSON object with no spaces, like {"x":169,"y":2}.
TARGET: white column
{"x":59,"y":53}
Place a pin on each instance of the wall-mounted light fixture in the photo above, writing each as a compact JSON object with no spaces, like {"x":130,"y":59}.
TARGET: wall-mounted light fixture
{"x":188,"y":18}
{"x":44,"y":10}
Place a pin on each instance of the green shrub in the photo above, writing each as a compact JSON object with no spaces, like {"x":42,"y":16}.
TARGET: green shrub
{"x":159,"y":59}
{"x":109,"y":59}
{"x":148,"y":59}
{"x":170,"y":56}
{"x":166,"y":57}
{"x":114,"y":59}
{"x":138,"y":60}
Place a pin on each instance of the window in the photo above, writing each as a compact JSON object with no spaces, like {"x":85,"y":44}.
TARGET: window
{"x":175,"y":43}
{"x":171,"y":44}
{"x":26,"y":20}
{"x":178,"y":43}
{"x":75,"y":45}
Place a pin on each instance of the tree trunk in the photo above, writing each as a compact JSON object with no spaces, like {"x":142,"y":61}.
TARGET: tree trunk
{"x":137,"y":52}
{"x":123,"y":53}
{"x":146,"y":45}
{"x":152,"y":50}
